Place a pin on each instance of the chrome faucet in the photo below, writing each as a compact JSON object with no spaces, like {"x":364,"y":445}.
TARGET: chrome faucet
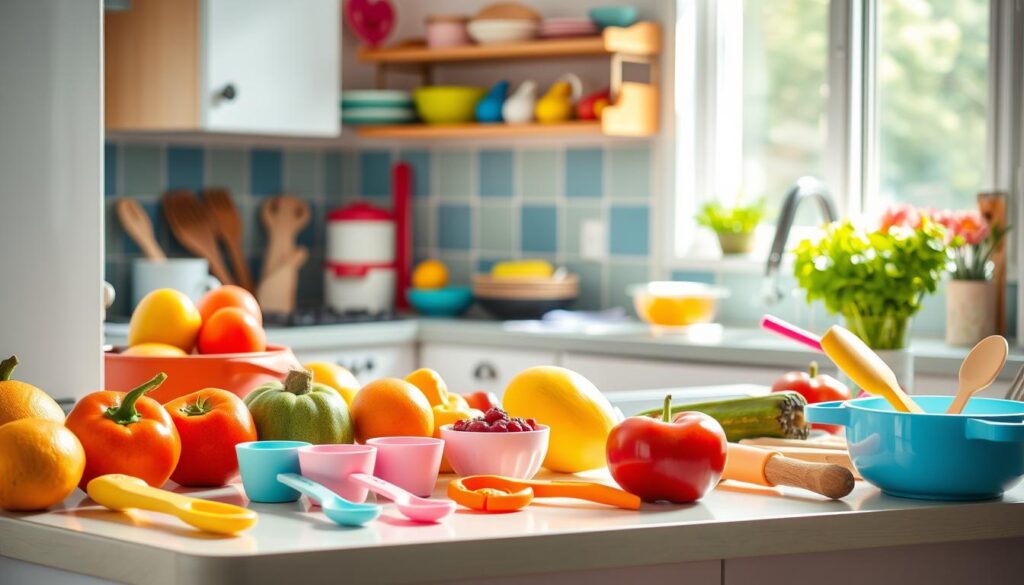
{"x":805,"y":187}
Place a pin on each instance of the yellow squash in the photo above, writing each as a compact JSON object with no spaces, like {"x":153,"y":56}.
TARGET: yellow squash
{"x":580,"y":416}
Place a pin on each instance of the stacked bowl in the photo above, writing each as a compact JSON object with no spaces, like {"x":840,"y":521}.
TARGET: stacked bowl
{"x":556,"y":28}
{"x":504,"y":22}
{"x":377,"y":106}
{"x":525,"y":297}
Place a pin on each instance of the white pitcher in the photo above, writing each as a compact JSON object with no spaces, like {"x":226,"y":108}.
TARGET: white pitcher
{"x":518,"y":108}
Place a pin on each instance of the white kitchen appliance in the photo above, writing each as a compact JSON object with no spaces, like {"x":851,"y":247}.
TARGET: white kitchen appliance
{"x":360,"y":258}
{"x":368,"y":252}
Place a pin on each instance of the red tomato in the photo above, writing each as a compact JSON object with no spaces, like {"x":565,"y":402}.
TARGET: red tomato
{"x":210,"y":423}
{"x":677,"y":461}
{"x":814,"y":388}
{"x":231,"y":330}
{"x":229,"y":295}
{"x":482,"y":401}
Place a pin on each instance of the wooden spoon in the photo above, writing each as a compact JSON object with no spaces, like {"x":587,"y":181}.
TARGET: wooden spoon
{"x":865,"y":368}
{"x":229,"y":228}
{"x":979,"y":370}
{"x":192,"y":225}
{"x":136,"y":224}
{"x":284,"y":217}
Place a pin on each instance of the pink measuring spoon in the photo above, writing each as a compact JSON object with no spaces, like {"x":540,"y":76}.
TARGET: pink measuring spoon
{"x":790,"y":331}
{"x":412,"y":507}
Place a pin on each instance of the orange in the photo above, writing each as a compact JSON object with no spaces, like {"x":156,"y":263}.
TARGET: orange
{"x":430,"y":274}
{"x":165,"y":316}
{"x":430,"y":384}
{"x":154,"y":350}
{"x":19,"y":400}
{"x":390,"y":407}
{"x":41,"y":462}
{"x":336,"y":377}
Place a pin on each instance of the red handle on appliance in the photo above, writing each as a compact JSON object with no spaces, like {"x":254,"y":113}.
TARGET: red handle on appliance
{"x":401,"y":185}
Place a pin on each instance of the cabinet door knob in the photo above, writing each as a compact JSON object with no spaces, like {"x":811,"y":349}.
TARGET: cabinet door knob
{"x":485,"y":371}
{"x":229,"y":92}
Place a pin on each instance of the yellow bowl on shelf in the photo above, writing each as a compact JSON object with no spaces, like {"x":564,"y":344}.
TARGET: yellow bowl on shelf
{"x":447,"y":104}
{"x":676,"y":303}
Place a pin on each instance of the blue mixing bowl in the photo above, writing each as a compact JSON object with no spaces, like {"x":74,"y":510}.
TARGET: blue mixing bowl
{"x":450,"y":301}
{"x":976,"y":455}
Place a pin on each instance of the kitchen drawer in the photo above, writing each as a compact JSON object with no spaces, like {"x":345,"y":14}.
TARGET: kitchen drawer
{"x":468,"y":368}
{"x":615,"y":373}
{"x":368,"y":363}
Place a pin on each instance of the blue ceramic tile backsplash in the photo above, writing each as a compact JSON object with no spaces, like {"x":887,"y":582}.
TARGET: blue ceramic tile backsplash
{"x":473,"y":207}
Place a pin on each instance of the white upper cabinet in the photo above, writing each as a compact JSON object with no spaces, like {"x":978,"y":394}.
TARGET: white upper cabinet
{"x":234,"y":66}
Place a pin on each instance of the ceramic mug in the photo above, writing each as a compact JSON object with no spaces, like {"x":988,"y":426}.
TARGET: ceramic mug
{"x":189,"y":275}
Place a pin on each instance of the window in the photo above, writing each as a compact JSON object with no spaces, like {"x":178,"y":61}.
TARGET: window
{"x":885,"y":100}
{"x":931,"y":85}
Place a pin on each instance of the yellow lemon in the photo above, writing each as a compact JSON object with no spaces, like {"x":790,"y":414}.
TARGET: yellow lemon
{"x":165,"y":316}
{"x":431,"y":385}
{"x":154,"y":350}
{"x":580,"y":416}
{"x":336,"y":377}
{"x":430,"y":274}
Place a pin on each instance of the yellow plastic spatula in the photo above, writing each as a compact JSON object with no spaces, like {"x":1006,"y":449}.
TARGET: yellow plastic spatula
{"x":865,"y":368}
{"x":120,"y":492}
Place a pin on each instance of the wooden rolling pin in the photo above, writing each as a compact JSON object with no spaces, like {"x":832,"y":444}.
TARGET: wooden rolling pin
{"x":771,"y":468}
{"x":836,"y":444}
{"x":830,"y":456}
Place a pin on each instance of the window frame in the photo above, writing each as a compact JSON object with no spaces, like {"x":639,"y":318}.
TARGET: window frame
{"x":851,"y":162}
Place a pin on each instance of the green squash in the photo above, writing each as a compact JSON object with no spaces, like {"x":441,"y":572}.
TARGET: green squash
{"x":299,"y":410}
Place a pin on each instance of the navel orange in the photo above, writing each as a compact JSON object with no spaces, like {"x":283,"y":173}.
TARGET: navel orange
{"x":390,"y":407}
{"x":41,"y":462}
{"x":20,"y":400}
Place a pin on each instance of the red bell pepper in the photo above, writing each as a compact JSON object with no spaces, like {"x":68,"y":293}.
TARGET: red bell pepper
{"x":662,"y":460}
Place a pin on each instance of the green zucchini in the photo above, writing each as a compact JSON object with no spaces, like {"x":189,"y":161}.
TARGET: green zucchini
{"x":779,"y":414}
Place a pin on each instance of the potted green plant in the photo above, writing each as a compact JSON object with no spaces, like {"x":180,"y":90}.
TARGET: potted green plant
{"x":734,"y":226}
{"x":970,"y":294}
{"x":875,"y":279}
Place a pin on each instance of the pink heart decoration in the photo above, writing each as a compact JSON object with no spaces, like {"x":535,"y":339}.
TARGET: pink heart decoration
{"x":371,"y":20}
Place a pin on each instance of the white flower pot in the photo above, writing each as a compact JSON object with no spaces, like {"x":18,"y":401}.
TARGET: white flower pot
{"x":970,"y":311}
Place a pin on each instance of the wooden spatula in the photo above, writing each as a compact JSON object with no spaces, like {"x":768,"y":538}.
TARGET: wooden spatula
{"x":276,"y":292}
{"x":139,"y":228}
{"x":283,"y":217}
{"x":229,"y":228}
{"x":865,"y":368}
{"x":192,"y":225}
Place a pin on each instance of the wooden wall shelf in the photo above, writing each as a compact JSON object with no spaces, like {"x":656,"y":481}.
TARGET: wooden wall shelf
{"x":449,"y":131}
{"x":640,"y":39}
{"x":634,"y":111}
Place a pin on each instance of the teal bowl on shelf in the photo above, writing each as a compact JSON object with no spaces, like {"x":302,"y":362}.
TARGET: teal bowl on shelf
{"x":975,"y":455}
{"x":623,"y":15}
{"x":450,"y":301}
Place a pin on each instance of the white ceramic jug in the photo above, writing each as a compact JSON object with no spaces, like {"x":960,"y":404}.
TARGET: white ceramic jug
{"x":518,"y":108}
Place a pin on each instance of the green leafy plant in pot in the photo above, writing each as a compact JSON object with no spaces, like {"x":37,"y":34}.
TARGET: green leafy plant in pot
{"x":874,"y":278}
{"x":734,"y":226}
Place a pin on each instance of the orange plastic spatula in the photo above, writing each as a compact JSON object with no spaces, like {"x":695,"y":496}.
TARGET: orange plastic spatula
{"x":865,"y":368}
{"x":495,"y":493}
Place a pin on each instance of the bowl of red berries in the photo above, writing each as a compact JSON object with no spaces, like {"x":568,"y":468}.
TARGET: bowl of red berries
{"x":496,"y":444}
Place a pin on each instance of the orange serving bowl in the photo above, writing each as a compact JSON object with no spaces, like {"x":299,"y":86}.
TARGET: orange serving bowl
{"x":239,"y":373}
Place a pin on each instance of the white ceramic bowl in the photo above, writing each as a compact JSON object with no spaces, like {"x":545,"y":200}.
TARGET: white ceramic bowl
{"x":517,"y":455}
{"x":501,"y":31}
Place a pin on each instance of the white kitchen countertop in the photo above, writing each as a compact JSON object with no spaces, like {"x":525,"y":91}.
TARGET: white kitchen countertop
{"x":290,"y":542}
{"x":712,"y":344}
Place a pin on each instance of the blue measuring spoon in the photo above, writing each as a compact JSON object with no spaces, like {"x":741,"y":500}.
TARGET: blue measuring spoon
{"x":335,"y":507}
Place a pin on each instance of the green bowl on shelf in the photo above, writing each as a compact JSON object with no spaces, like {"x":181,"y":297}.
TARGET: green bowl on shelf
{"x":447,"y":104}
